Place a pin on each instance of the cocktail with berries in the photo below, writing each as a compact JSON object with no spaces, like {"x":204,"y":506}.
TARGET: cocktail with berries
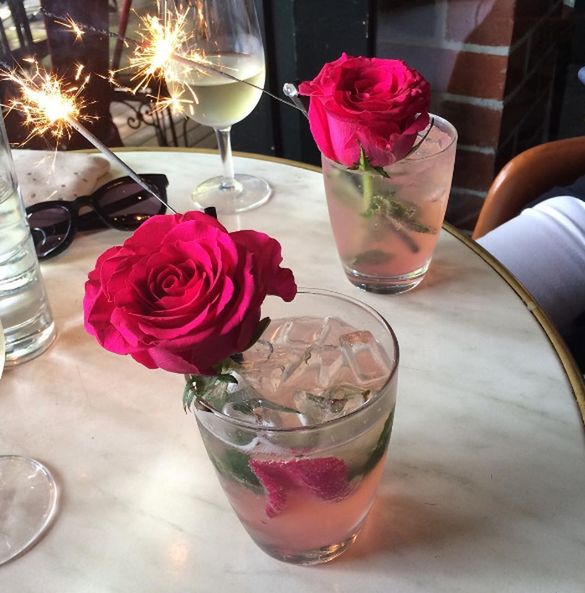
{"x":299,"y":434}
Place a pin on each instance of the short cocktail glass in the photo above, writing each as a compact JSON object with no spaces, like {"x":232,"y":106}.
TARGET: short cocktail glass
{"x":386,"y":225}
{"x":299,"y":444}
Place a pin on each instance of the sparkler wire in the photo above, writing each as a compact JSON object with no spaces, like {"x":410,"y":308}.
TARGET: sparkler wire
{"x":114,"y":158}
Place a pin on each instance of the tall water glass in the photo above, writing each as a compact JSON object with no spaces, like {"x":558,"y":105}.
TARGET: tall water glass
{"x":24,"y":309}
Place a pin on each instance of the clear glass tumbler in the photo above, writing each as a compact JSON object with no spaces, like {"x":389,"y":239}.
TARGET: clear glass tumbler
{"x":24,"y":308}
{"x":386,"y":225}
{"x":299,"y":446}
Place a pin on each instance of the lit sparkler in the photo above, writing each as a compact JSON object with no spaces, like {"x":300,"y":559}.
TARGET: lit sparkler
{"x":72,"y":26}
{"x":49,"y":105}
{"x":162,"y":42}
{"x":46,"y":101}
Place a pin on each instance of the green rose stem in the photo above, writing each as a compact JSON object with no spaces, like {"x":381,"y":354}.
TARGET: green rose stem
{"x":371,"y":205}
{"x":367,"y":180}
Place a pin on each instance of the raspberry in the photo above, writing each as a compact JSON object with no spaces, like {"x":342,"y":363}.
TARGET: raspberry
{"x":325,"y":477}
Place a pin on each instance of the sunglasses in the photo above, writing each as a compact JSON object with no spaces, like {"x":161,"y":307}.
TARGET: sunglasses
{"x":119,"y":204}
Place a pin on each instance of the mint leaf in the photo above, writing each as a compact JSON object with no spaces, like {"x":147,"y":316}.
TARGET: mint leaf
{"x":398,"y":213}
{"x":188,"y":396}
{"x":372,"y":257}
{"x":211,"y":389}
{"x":235,"y":466}
{"x":377,"y":452}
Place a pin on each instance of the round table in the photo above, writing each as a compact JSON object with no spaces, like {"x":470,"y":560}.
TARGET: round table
{"x":484,"y":488}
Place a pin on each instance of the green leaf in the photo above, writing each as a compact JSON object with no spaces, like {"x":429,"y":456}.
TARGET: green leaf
{"x":398,"y":213}
{"x":235,"y":466}
{"x":377,"y":452}
{"x":372,"y":257}
{"x":211,"y":389}
{"x":189,"y":395}
{"x":227,"y":378}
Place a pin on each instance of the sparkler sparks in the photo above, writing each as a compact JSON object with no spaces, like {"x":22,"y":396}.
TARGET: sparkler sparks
{"x":72,"y":26}
{"x":160,"y":44}
{"x":160,"y":48}
{"x":50,"y":106}
{"x":46,"y":101}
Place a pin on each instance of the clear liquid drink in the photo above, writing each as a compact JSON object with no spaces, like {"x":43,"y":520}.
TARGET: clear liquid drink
{"x":24,"y":309}
{"x":299,"y":442}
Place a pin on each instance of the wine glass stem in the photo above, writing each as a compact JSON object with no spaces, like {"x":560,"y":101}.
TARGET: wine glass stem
{"x":228,"y":181}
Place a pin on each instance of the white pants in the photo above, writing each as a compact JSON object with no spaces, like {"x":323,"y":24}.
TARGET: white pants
{"x":544,"y":248}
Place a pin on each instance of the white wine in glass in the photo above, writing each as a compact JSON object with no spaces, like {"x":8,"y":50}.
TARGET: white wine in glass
{"x":223,"y":37}
{"x":28,"y":498}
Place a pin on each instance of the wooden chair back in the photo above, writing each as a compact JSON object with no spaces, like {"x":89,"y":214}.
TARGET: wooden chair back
{"x":528,"y":175}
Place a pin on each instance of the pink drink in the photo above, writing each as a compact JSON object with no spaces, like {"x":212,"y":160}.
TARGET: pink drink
{"x":299,"y":442}
{"x":386,"y":228}
{"x":297,"y":526}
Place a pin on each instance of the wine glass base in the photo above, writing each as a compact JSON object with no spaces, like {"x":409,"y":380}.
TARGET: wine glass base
{"x":248,"y":193}
{"x":28,"y":503}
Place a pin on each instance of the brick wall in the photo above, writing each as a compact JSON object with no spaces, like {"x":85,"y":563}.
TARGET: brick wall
{"x":491,"y":64}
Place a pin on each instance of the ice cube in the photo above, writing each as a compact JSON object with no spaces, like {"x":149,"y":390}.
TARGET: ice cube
{"x":266,"y":375}
{"x":303,"y":331}
{"x":317,"y":369}
{"x":257,"y":354}
{"x":333,"y":329}
{"x":257,"y":411}
{"x":336,"y":402}
{"x":366,"y":359}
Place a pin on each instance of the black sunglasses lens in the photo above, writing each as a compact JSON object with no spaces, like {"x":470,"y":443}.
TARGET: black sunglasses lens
{"x":50,"y":228}
{"x":128,"y":205}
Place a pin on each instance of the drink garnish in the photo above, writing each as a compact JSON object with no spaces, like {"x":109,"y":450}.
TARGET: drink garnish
{"x":325,"y":477}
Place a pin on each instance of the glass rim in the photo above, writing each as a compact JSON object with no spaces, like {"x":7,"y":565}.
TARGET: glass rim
{"x":335,"y":421}
{"x":449,"y":129}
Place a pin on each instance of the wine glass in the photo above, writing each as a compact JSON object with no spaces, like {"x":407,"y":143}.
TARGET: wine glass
{"x":28,"y":498}
{"x":219,"y":85}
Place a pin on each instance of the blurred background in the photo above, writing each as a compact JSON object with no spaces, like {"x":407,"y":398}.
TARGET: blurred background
{"x":503,"y":71}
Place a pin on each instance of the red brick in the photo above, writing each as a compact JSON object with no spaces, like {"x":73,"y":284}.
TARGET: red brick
{"x":473,"y":170}
{"x":484,"y":23}
{"x":476,"y":125}
{"x":462,"y":73}
{"x":479,"y":75}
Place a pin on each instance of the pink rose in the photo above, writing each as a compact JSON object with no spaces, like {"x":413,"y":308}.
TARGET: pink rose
{"x":182,"y":294}
{"x":377,"y":104}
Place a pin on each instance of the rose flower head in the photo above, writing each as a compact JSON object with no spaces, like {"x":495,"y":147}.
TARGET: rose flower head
{"x":182,"y":293}
{"x":373,"y":104}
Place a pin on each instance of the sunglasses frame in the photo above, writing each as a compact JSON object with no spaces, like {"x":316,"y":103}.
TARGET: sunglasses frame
{"x":97,"y":217}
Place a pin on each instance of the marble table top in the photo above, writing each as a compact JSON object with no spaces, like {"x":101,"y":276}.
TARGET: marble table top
{"x":484,"y":487}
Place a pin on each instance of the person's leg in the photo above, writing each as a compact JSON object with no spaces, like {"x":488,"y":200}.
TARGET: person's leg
{"x":544,"y":247}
